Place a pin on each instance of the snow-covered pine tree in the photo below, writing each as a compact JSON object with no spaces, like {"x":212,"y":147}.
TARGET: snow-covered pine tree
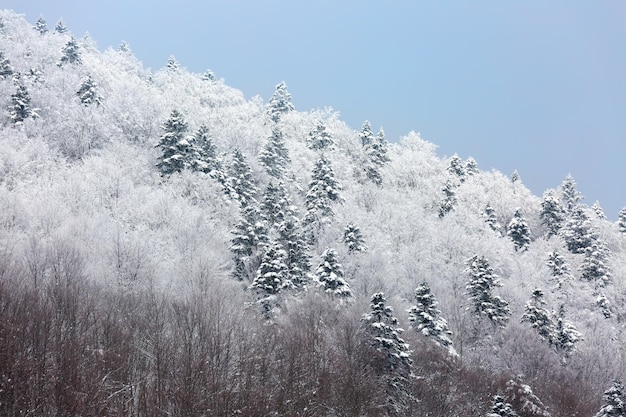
{"x":456,"y":168}
{"x":176,"y":152}
{"x":426,"y":318}
{"x":20,"y":108}
{"x":205,"y":152}
{"x":276,"y":205}
{"x":71,"y":53}
{"x":209,"y":76}
{"x":271,"y":279}
{"x":280,"y":103}
{"x":471,"y":166}
{"x":570,"y":196}
{"x":60,"y":27}
{"x":172,"y":64}
{"x":621,"y":220}
{"x":323,"y":192}
{"x":522,"y":399}
{"x":297,"y":258}
{"x":578,"y":231}
{"x":604,"y":304}
{"x":353,"y":238}
{"x":275,"y":156}
{"x":519,"y":231}
{"x":482,"y":281}
{"x":88,"y":92}
{"x":449,"y":198}
{"x":250,"y":237}
{"x":366,"y":134}
{"x":240,"y":180}
{"x":614,"y":401}
{"x":329,"y":275}
{"x":41,"y":26}
{"x":6,"y":70}
{"x":395,"y":366}
{"x":500,"y":408}
{"x":538,"y":317}
{"x":375,"y":151}
{"x":565,"y":335}
{"x":320,"y":138}
{"x":596,"y":208}
{"x":552,"y":214}
{"x":595,"y":267}
{"x":491,"y":219}
{"x":515,"y":177}
{"x":559,"y":269}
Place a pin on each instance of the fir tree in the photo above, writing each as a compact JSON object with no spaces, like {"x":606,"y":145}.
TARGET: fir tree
{"x":320,"y":138}
{"x":471,"y":166}
{"x":60,"y":27}
{"x":500,"y":408}
{"x":209,"y":76}
{"x":565,"y":335}
{"x":20,"y":108}
{"x":71,"y":53}
{"x":297,"y":259}
{"x":578,"y":232}
{"x":271,"y":279}
{"x":594,"y":267}
{"x":250,"y":236}
{"x":515,"y":177}
{"x":206,"y":158}
{"x":41,"y":26}
{"x":621,"y":220}
{"x":605,"y":305}
{"x":353,"y":238}
{"x":276,"y":205}
{"x":366,"y":134}
{"x":375,"y":150}
{"x":240,"y":180}
{"x":175,"y":148}
{"x":329,"y":275}
{"x":449,"y":199}
{"x":482,"y":281}
{"x":323,"y":191}
{"x":395,"y":366}
{"x":522,"y":399}
{"x":559,"y":268}
{"x":598,"y":210}
{"x":570,"y":195}
{"x":88,"y":93}
{"x":280,"y":103}
{"x":538,"y":317}
{"x":172,"y":64}
{"x":552,"y":214}
{"x":456,"y":168}
{"x":6,"y":70}
{"x":519,"y":232}
{"x":274,"y":156}
{"x":426,"y":318}
{"x":491,"y":219}
{"x":614,"y":401}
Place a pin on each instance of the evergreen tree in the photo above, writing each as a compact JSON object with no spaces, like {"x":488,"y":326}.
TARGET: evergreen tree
{"x":471,"y":166}
{"x":206,"y":159}
{"x":172,"y":64}
{"x":426,"y":318}
{"x":522,"y":399}
{"x":559,"y":268}
{"x":6,"y":69}
{"x":621,"y":220}
{"x":570,"y":195}
{"x":491,"y":219}
{"x":578,"y":232}
{"x":353,"y":238}
{"x":320,"y":138}
{"x":20,"y":108}
{"x":176,"y":149}
{"x":274,"y":156}
{"x":88,"y":92}
{"x":375,"y":150}
{"x":71,"y":53}
{"x":565,"y":335}
{"x":515,"y":177}
{"x":614,"y":401}
{"x":538,"y":317}
{"x":250,"y":236}
{"x":395,"y":366}
{"x":598,"y":210}
{"x":482,"y":281}
{"x":41,"y":26}
{"x":323,"y":191}
{"x":60,"y":27}
{"x":594,"y":266}
{"x":366,"y":134}
{"x":209,"y":76}
{"x":449,"y":199}
{"x":519,"y":232}
{"x":280,"y":103}
{"x":276,"y":205}
{"x":605,"y":305}
{"x":552,"y":214}
{"x":456,"y":168}
{"x":329,"y":275}
{"x":271,"y":279}
{"x":500,"y":408}
{"x":297,"y":259}
{"x":240,"y":180}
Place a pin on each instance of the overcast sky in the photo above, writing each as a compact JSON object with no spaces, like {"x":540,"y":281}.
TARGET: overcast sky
{"x":534,"y":85}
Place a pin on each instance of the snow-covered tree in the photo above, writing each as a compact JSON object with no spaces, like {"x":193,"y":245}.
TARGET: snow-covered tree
{"x":60,"y":27}
{"x":175,"y":147}
{"x":240,"y":180}
{"x":519,"y":231}
{"x":209,"y":76}
{"x":621,"y":220}
{"x":491,"y":219}
{"x":482,"y":281}
{"x":570,"y":195}
{"x":500,"y":408}
{"x":565,"y":336}
{"x":595,"y":267}
{"x":275,"y":156}
{"x":280,"y":103}
{"x":276,"y":205}
{"x":205,"y":152}
{"x":456,"y":167}
{"x":353,"y":238}
{"x":559,"y":268}
{"x":515,"y":177}
{"x":88,"y":92}
{"x":41,"y":26}
{"x":172,"y":64}
{"x":471,"y":166}
{"x":366,"y":134}
{"x":395,"y":368}
{"x":522,"y":399}
{"x":604,"y":304}
{"x":538,"y":317}
{"x":614,"y":401}
{"x":71,"y":53}
{"x":320,"y":138}
{"x":271,"y":279}
{"x":375,"y":151}
{"x":329,"y":275}
{"x":425,"y":317}
{"x":552,"y":213}
{"x":297,"y":258}
{"x":250,"y":237}
{"x":323,"y":192}
{"x":449,"y":198}
{"x":6,"y":70}
{"x":596,"y":208}
{"x":578,"y":231}
{"x":20,"y":108}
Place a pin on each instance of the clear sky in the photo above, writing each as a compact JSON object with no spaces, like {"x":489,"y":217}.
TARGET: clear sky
{"x":534,"y":85}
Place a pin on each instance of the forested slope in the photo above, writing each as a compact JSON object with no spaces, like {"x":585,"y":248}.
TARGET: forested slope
{"x":169,"y":247}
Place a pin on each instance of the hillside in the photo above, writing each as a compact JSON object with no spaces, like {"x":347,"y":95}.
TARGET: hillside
{"x":165,"y":243}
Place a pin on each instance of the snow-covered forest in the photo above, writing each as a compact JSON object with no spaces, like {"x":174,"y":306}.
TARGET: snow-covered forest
{"x":171,"y":248}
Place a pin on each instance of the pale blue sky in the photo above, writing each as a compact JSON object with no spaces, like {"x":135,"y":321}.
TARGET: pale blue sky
{"x":534,"y":85}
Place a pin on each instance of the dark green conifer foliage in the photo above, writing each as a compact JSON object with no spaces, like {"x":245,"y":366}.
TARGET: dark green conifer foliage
{"x":250,"y":237}
{"x":353,"y":238}
{"x":280,"y":103}
{"x":88,"y":92}
{"x":276,"y":205}
{"x":449,"y":198}
{"x":538,"y":317}
{"x":500,"y":408}
{"x":565,"y":335}
{"x":271,"y":279}
{"x":577,"y":231}
{"x":206,"y":158}
{"x":320,"y":138}
{"x":297,"y":258}
{"x":323,"y":192}
{"x":275,"y":156}
{"x":552,"y":214}
{"x":519,"y":231}
{"x":456,"y":168}
{"x":20,"y":108}
{"x":425,"y":317}
{"x":71,"y":53}
{"x":329,"y":275}
{"x":595,"y":267}
{"x":491,"y":219}
{"x":175,"y":147}
{"x":482,"y":281}
{"x":614,"y":401}
{"x":41,"y":26}
{"x":571,"y":197}
{"x":240,"y":180}
{"x":375,"y":152}
{"x":6,"y":70}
